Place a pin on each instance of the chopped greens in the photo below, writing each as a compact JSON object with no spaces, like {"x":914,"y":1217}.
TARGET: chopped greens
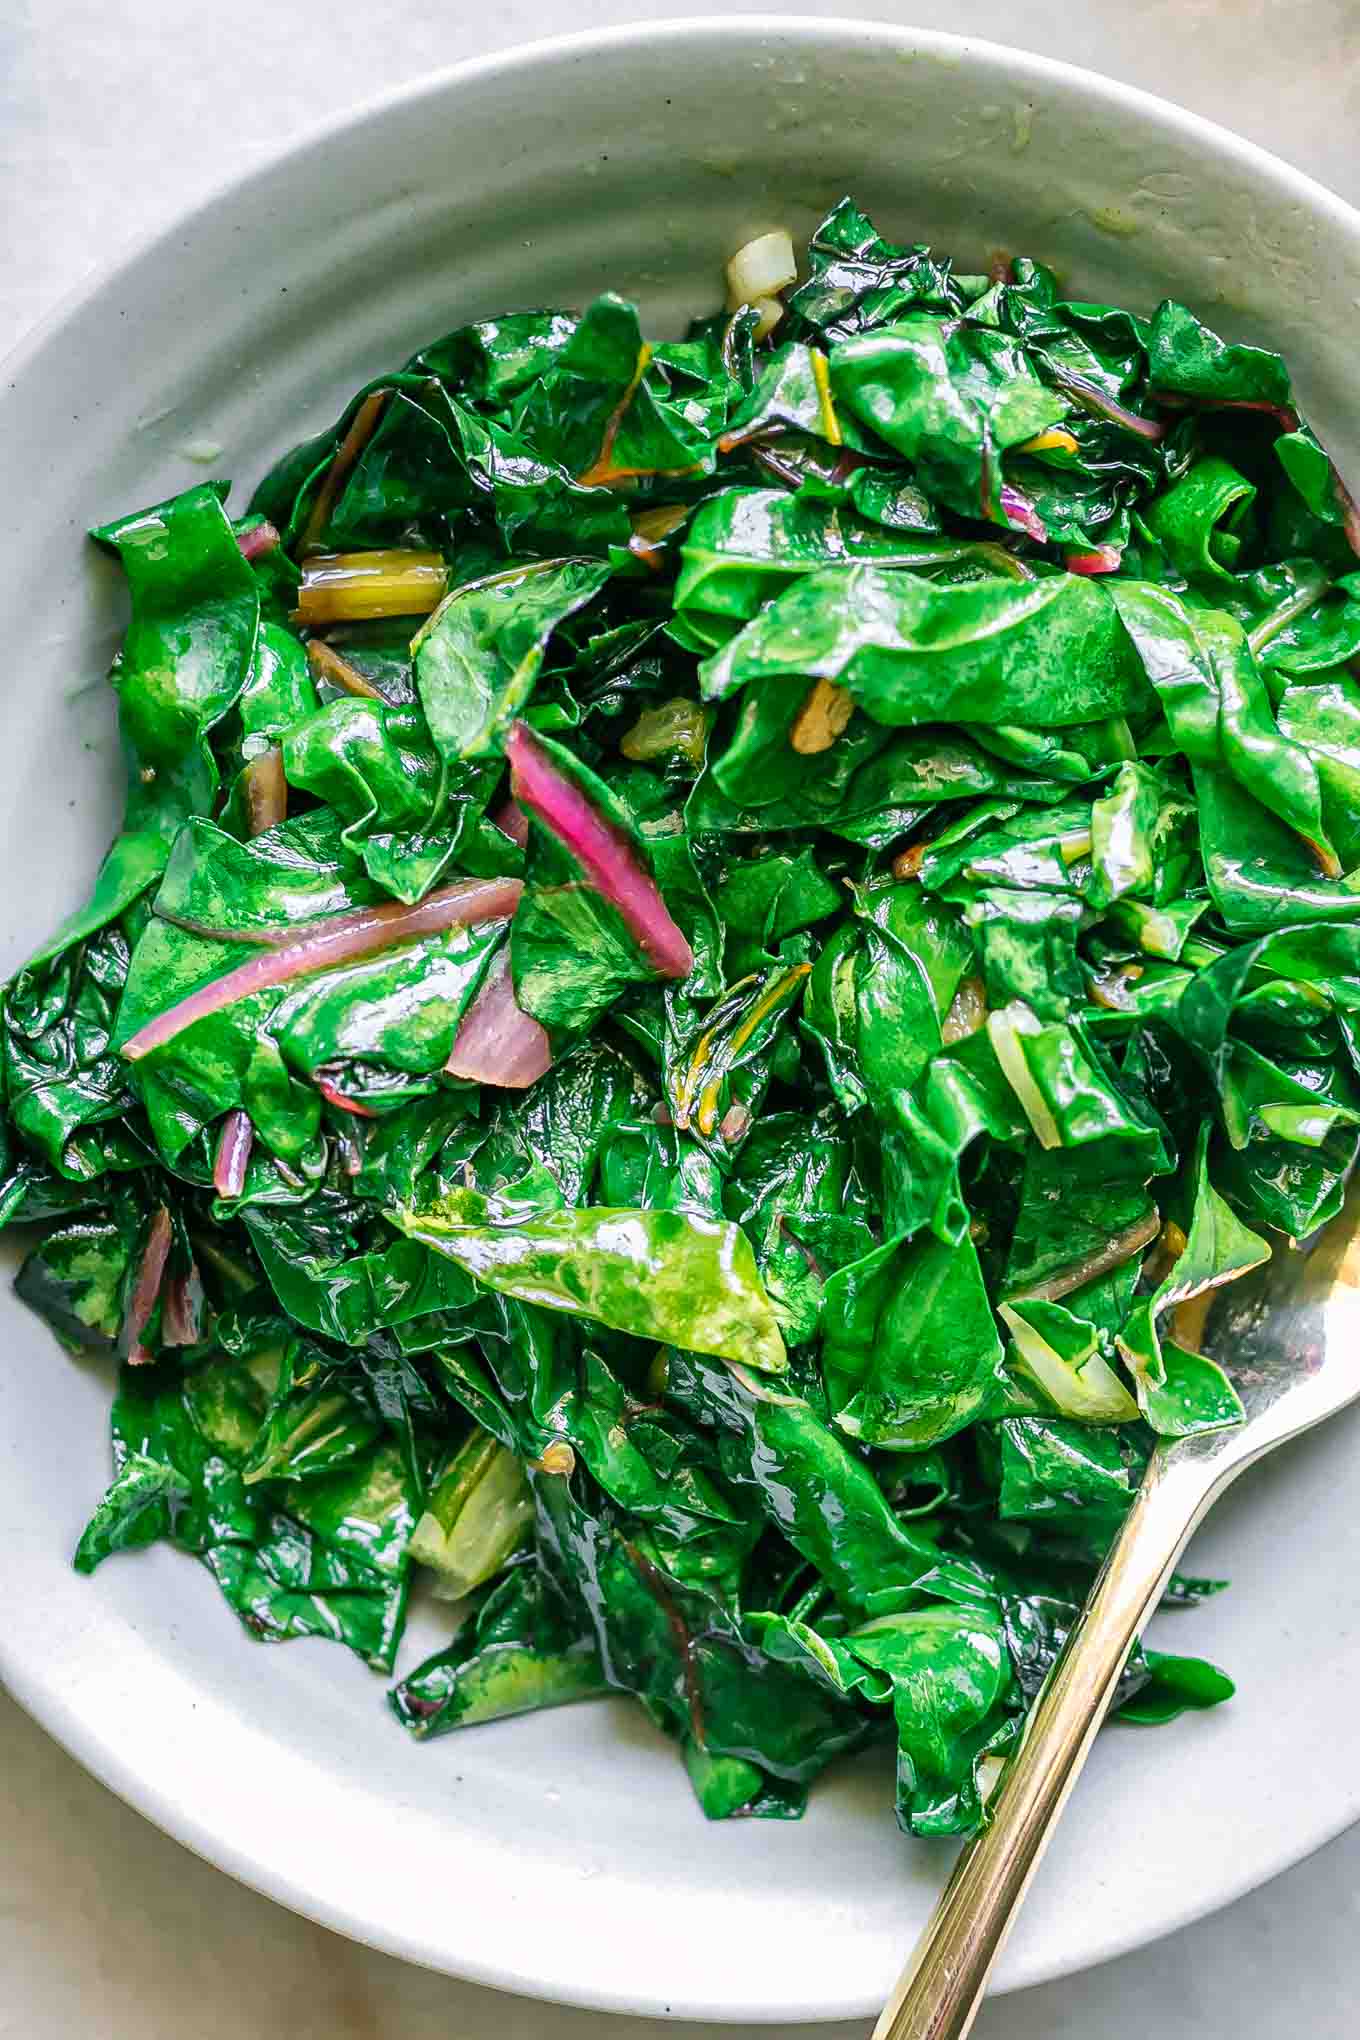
{"x":717,"y":948}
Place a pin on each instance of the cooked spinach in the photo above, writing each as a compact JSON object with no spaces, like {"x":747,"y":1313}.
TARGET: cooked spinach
{"x":717,"y":949}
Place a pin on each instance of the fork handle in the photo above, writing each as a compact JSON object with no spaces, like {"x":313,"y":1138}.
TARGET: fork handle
{"x":939,"y":1992}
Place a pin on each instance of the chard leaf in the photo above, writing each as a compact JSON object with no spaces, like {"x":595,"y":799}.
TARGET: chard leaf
{"x":187,"y":654}
{"x":924,"y":755}
{"x":910,"y":1350}
{"x":523,"y":1653}
{"x":1181,"y":1391}
{"x":1201,"y":665}
{"x":479,"y":655}
{"x":951,"y":398}
{"x":665,"y":1275}
{"x":909,"y":651}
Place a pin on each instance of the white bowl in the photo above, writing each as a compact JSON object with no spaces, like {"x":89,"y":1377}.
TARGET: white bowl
{"x":562,"y":1854}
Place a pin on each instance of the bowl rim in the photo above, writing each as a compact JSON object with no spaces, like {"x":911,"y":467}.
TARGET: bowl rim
{"x":74,"y":1727}
{"x":818,"y":28}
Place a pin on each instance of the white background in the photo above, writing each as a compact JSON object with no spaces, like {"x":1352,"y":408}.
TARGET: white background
{"x":114,"y":115}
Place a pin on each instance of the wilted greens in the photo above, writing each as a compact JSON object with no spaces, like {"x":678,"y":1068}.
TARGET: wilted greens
{"x":715,"y":951}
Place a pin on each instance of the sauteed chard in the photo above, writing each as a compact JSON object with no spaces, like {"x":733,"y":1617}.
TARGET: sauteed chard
{"x":716,"y":949}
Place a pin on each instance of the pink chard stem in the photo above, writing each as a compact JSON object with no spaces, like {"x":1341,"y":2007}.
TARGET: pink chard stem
{"x":1020,"y":514}
{"x":606,"y":858}
{"x":1093,"y":399}
{"x":1101,"y":559}
{"x":342,"y":1101}
{"x":321,"y":945}
{"x":234,"y":1143}
{"x":147,"y":1287}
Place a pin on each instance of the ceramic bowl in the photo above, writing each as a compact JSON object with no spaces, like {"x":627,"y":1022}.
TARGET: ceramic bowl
{"x":563,"y":1854}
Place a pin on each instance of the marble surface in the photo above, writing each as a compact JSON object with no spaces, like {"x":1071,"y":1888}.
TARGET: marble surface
{"x":114,"y":114}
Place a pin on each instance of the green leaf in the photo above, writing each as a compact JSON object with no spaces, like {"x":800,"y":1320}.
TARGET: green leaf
{"x":909,"y":651}
{"x":858,"y":280}
{"x":1204,"y":519}
{"x":523,"y":1653}
{"x":1178,"y":1391}
{"x":909,"y":1348}
{"x":950,"y":1679}
{"x":69,"y":1095}
{"x":1186,"y":357}
{"x":744,"y":546}
{"x":187,"y":655}
{"x":952,"y":398}
{"x":1217,"y":708}
{"x":665,"y":1275}
{"x":479,"y":655}
{"x":131,"y":1513}
{"x":1174,"y":1685}
{"x":325,"y":1285}
{"x":374,"y":765}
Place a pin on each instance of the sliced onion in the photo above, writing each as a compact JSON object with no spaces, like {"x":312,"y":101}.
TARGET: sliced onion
{"x":260,"y":539}
{"x":147,"y":1287}
{"x":497,"y":1041}
{"x":769,"y":311}
{"x":350,"y":1153}
{"x":234,"y":1143}
{"x":320,"y":945}
{"x":761,"y":269}
{"x":604,"y":855}
{"x":735,"y":1124}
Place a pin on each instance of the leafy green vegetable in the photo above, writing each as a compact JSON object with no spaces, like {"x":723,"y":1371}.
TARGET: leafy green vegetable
{"x":910,"y":773}
{"x":187,"y":655}
{"x":951,"y":397}
{"x":478,"y":656}
{"x":908,"y":651}
{"x":475,"y":1517}
{"x":523,"y":1654}
{"x":664,"y":1275}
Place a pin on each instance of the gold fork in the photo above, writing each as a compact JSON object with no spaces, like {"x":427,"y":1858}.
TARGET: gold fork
{"x":1290,"y":1338}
